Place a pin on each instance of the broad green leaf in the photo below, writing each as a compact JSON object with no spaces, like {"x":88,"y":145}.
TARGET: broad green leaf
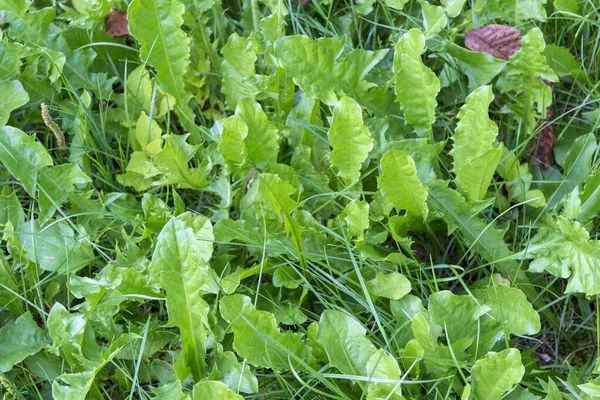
{"x":12,"y":96}
{"x":561,"y":60}
{"x":416,"y":85}
{"x":214,"y":390}
{"x":356,"y":217}
{"x":590,"y":199}
{"x":239,"y":56}
{"x":400,"y":184}
{"x":10,"y":207}
{"x":22,"y":156}
{"x":396,"y":4}
{"x":54,"y":246}
{"x":434,"y":18}
{"x":480,"y":67}
{"x":57,"y":183}
{"x":262,"y":140}
{"x":173,"y":163}
{"x":569,"y":6}
{"x":148,"y":135}
{"x":521,"y":75}
{"x":19,"y":340}
{"x":496,"y":373}
{"x":350,"y":139}
{"x":156,"y":25}
{"x":76,"y":386}
{"x":352,"y":353}
{"x":232,"y":147}
{"x":257,"y":337}
{"x":476,"y":152}
{"x":577,"y":166}
{"x":180,"y":265}
{"x":563,"y":248}
{"x":453,"y":7}
{"x":67,"y":332}
{"x":391,"y":286}
{"x":9,"y":291}
{"x":513,"y":11}
{"x":318,"y":70}
{"x":235,"y":374}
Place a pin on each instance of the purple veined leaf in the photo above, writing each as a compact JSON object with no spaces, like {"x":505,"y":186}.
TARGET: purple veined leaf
{"x":501,"y":41}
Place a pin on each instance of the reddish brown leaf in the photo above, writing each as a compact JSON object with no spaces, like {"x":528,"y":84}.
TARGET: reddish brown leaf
{"x":501,"y":41}
{"x":541,"y":146}
{"x":116,"y":23}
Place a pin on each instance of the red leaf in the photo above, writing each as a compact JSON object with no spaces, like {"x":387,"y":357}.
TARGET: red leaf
{"x":501,"y":41}
{"x":116,"y":23}
{"x":541,"y":146}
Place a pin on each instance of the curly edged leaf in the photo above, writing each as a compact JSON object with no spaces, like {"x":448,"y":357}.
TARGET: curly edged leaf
{"x":476,"y":152}
{"x":318,"y":70}
{"x":522,"y":75}
{"x":261,"y":142}
{"x":564,"y":249}
{"x":180,"y":265}
{"x":257,"y":337}
{"x":350,"y":139}
{"x":156,"y":25}
{"x":400,"y":184}
{"x":416,"y":85}
{"x":239,"y":56}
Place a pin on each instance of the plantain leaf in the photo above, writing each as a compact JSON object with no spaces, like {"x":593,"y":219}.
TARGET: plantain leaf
{"x":350,"y":139}
{"x":476,"y":152}
{"x":180,"y":265}
{"x":400,"y":184}
{"x":156,"y":25}
{"x":416,"y":85}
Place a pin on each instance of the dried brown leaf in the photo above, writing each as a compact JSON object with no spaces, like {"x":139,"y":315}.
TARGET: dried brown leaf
{"x":116,"y":23}
{"x":541,"y":146}
{"x":501,"y":41}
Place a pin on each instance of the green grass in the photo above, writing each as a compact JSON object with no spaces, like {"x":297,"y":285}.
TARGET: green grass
{"x":298,"y":265}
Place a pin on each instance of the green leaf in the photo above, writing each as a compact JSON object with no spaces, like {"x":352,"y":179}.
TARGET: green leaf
{"x":391,"y":286}
{"x":173,"y":163}
{"x":396,"y":4}
{"x":239,"y":56}
{"x":577,"y":167}
{"x":476,"y":152}
{"x":19,"y":340}
{"x":561,"y":60}
{"x":156,"y":25}
{"x":214,"y":390}
{"x":569,"y":6}
{"x":350,"y":139}
{"x":416,"y":85}
{"x":453,"y":7}
{"x":236,"y":375}
{"x":521,"y":75}
{"x":180,"y":265}
{"x":77,"y":385}
{"x":434,"y":18}
{"x":496,"y":373}
{"x":563,"y":248}
{"x":8,"y":289}
{"x":54,"y":246}
{"x":514,"y":11}
{"x":12,"y":96}
{"x":590,"y":199}
{"x":356,"y":217}
{"x":480,"y":67}
{"x":232,"y":147}
{"x":257,"y":337}
{"x":349,"y":350}
{"x":318,"y":70}
{"x":57,"y":183}
{"x":262,"y":140}
{"x":400,"y":184}
{"x":23,"y":156}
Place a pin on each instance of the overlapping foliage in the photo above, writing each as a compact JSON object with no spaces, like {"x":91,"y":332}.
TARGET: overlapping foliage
{"x":297,"y":199}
